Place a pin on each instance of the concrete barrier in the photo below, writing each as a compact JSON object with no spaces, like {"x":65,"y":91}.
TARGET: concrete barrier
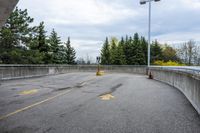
{"x":25,"y":71}
{"x":187,"y":83}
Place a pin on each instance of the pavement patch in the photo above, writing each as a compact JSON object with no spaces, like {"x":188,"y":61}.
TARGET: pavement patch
{"x":28,"y":92}
{"x":107,"y":97}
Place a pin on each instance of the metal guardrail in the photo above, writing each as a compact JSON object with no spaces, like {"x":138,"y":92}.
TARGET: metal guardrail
{"x":187,"y":69}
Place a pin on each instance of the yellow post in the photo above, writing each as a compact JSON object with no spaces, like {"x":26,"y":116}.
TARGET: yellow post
{"x":99,"y":73}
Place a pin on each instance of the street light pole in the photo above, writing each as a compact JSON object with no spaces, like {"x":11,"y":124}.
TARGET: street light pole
{"x":149,"y":32}
{"x":149,"y":37}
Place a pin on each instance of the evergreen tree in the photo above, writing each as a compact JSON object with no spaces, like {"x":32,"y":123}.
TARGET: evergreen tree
{"x":42,"y":45}
{"x":136,"y":39}
{"x":139,"y":55}
{"x":14,"y":36}
{"x":113,"y":52}
{"x":62,"y":54}
{"x":54,"y":43}
{"x":70,"y":53}
{"x":144,"y":45}
{"x":133,"y":44}
{"x":156,"y":52}
{"x":128,"y":50}
{"x":21,"y":43}
{"x":121,"y":59}
{"x":18,"y":28}
{"x":105,"y":53}
{"x":134,"y":51}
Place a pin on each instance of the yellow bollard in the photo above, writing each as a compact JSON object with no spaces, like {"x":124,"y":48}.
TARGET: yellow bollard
{"x":100,"y":73}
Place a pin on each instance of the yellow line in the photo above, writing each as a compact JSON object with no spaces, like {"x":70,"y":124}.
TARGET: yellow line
{"x":33,"y":105}
{"x":38,"y":103}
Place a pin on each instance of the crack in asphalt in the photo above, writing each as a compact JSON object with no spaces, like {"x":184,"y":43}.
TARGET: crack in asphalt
{"x":112,"y":89}
{"x":67,"y":88}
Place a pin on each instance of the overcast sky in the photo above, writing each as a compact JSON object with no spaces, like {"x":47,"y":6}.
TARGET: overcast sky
{"x":88,"y":22}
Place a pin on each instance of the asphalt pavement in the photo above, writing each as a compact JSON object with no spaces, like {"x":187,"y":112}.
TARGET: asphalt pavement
{"x":84,"y":103}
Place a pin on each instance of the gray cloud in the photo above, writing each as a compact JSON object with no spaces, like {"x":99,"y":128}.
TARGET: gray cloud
{"x":90,"y":22}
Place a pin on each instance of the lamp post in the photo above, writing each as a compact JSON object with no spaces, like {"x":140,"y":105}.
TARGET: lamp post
{"x":142,"y":2}
{"x":98,"y":61}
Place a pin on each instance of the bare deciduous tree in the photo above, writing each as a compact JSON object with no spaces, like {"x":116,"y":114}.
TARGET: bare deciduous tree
{"x":189,"y":53}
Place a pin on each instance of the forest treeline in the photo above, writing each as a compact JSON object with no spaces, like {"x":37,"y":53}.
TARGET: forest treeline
{"x":22,"y":43}
{"x":133,"y":51}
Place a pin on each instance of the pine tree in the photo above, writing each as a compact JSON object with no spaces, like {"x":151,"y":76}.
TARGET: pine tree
{"x":14,"y":37}
{"x":156,"y":51}
{"x":113,"y":52}
{"x":128,"y":50}
{"x":133,"y":50}
{"x":54,"y":42}
{"x":136,"y":39}
{"x":62,"y":54}
{"x":70,"y":53}
{"x":139,"y":55}
{"x":18,"y":24}
{"x":144,"y":45}
{"x":121,"y":59}
{"x":105,"y":53}
{"x":42,"y":45}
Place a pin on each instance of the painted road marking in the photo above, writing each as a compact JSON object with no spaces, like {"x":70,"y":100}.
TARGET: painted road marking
{"x":39,"y":103}
{"x":107,"y":97}
{"x":28,"y":92}
{"x":33,"y":105}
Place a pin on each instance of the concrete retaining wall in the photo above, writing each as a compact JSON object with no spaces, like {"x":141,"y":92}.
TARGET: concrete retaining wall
{"x":187,"y":83}
{"x":25,"y":71}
